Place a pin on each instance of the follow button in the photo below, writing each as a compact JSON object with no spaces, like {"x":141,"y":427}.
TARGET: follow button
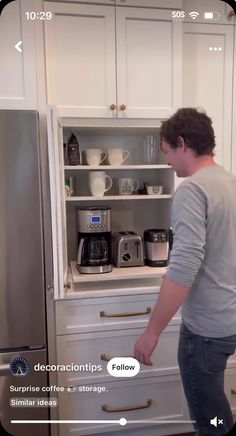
{"x":123,"y":367}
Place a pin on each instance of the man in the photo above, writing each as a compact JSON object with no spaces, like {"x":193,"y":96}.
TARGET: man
{"x":201,"y":275}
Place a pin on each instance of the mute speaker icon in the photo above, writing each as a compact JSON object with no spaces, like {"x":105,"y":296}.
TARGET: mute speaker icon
{"x":213,"y":421}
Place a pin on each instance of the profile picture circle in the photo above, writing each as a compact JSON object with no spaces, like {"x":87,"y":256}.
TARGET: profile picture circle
{"x":19,"y":366}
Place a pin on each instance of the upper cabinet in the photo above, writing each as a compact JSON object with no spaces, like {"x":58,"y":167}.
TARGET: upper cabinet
{"x":107,"y":61}
{"x":208,"y":79}
{"x":80,"y":60}
{"x":149,"y":63}
{"x":18,"y":68}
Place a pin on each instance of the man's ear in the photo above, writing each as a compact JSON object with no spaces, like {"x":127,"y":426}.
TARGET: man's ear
{"x":181,"y":143}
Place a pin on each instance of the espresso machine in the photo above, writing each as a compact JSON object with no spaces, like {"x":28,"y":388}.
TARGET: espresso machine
{"x":94,"y":240}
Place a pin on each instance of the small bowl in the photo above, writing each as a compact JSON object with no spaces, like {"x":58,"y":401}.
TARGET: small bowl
{"x":155,"y":190}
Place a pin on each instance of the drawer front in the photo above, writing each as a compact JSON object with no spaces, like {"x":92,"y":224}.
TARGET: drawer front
{"x":230,"y":388}
{"x":98,"y":348}
{"x":98,"y":314}
{"x":158,"y":397}
{"x":231,"y":363}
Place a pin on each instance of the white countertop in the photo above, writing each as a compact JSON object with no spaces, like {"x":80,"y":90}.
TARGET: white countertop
{"x":121,"y":281}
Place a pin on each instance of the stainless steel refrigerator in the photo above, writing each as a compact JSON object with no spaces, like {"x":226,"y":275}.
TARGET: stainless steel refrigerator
{"x":22,"y":270}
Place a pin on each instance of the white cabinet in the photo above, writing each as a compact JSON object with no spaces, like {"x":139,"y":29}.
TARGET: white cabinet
{"x":208,"y":79}
{"x":80,"y":59}
{"x":230,"y":388}
{"x":134,"y":400}
{"x":112,"y":62}
{"x":128,"y":212}
{"x":100,"y":348}
{"x":101,"y":317}
{"x":149,"y":67}
{"x":18,"y":85}
{"x":99,"y":313}
{"x":83,"y":337}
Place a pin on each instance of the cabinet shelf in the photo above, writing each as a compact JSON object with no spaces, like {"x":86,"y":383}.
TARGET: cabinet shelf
{"x":118,"y":197}
{"x":118,"y":274}
{"x":115,"y":167}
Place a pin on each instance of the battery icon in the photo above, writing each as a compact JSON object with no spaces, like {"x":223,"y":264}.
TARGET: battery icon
{"x":211,"y":15}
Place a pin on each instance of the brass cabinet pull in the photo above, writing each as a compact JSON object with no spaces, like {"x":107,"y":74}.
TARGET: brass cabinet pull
{"x":233,"y":391}
{"x":108,"y":358}
{"x":122,"y":315}
{"x":122,"y":107}
{"x":113,"y":107}
{"x":107,"y":408}
{"x":67,"y":285}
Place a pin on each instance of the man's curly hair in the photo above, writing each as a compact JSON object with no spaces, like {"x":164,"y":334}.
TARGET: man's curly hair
{"x":194,"y":126}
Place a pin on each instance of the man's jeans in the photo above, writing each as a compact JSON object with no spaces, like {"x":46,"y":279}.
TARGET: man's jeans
{"x":202,"y":362}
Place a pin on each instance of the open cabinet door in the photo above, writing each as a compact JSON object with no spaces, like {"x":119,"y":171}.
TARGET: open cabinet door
{"x":57,"y":189}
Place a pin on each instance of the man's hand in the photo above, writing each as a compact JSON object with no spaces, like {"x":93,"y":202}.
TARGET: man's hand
{"x":144,"y":347}
{"x":171,"y":297}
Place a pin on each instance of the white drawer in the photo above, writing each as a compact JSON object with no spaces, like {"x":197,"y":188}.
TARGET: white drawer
{"x":96,"y":348}
{"x":157,"y":397}
{"x":231,"y":363}
{"x":98,"y":314}
{"x":230,"y":388}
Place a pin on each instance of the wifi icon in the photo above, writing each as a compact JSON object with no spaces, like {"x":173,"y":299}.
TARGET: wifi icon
{"x":194,"y":15}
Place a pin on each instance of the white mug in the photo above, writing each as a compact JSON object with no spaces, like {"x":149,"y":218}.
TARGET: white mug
{"x":94,"y":156}
{"x":99,"y":183}
{"x":116,"y":156}
{"x":155,"y":190}
{"x":127,"y":186}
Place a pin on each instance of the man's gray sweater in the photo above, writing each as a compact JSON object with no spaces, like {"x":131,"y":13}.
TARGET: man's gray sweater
{"x":203,"y":257}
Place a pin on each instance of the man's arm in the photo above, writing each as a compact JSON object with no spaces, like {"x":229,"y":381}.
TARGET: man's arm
{"x":172,"y":295}
{"x":189,"y":211}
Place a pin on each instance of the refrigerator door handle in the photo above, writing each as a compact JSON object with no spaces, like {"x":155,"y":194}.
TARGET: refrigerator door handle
{"x":4,"y":369}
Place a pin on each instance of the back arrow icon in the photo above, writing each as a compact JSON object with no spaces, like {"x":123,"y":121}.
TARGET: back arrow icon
{"x":17,"y":46}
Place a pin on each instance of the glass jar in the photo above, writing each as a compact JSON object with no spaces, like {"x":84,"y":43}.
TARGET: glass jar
{"x":149,"y":150}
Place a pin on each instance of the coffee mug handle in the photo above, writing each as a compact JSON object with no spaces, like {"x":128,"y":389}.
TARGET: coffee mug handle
{"x":135,"y":185}
{"x":109,"y":183}
{"x":104,"y":157}
{"x":125,"y":155}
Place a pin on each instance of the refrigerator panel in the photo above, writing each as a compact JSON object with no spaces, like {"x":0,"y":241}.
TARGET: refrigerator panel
{"x":22,"y":306}
{"x":10,"y":412}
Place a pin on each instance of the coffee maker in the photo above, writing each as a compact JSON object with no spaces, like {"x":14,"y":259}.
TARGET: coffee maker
{"x":94,"y":240}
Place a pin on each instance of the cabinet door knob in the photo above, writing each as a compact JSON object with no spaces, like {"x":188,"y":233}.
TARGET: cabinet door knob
{"x":233,"y":391}
{"x":122,"y":107}
{"x":113,"y":107}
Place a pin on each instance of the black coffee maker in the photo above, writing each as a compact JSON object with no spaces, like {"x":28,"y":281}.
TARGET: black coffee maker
{"x":94,"y":240}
